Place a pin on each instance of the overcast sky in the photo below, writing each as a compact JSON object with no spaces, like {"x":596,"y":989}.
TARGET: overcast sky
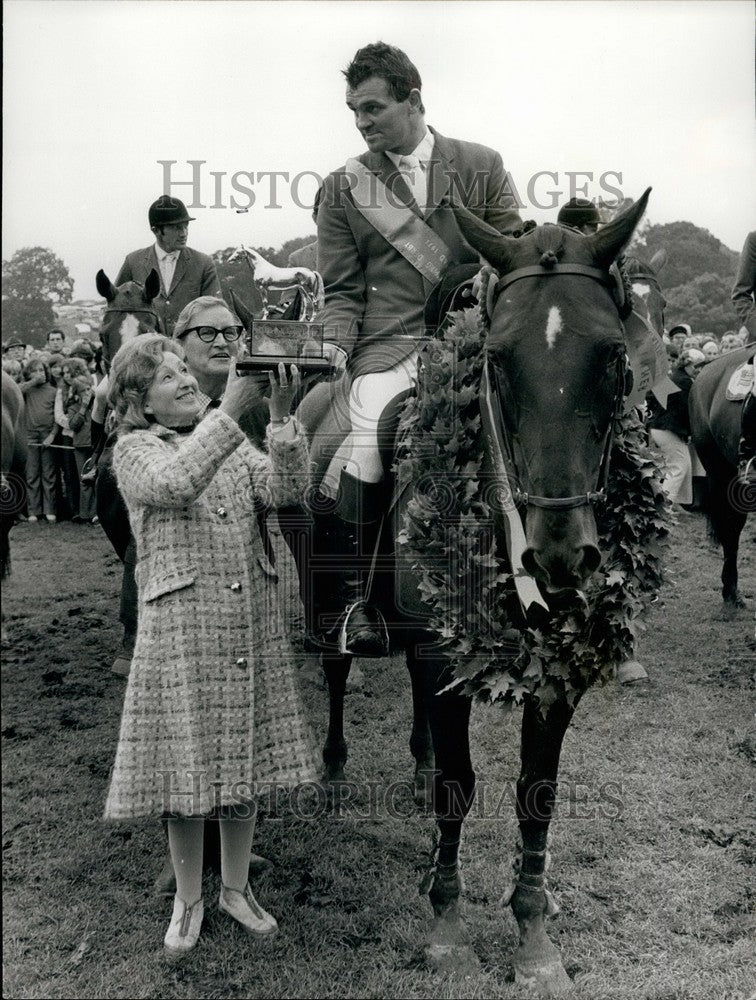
{"x":97,"y":93}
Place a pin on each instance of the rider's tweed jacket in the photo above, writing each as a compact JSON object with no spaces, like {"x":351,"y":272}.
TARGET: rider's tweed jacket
{"x":195,"y":275}
{"x":211,"y":695}
{"x":744,"y":289}
{"x":374,"y":296}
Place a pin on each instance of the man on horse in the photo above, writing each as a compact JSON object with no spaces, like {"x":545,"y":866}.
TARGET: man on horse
{"x":743,"y":298}
{"x":386,"y":234}
{"x":185,"y":274}
{"x":580,"y":214}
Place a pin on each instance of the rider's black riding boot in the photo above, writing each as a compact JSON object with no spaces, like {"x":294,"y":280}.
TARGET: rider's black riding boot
{"x":357,"y":525}
{"x":747,"y":445}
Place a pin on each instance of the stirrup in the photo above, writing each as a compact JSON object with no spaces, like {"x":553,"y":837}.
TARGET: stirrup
{"x":376,"y":622}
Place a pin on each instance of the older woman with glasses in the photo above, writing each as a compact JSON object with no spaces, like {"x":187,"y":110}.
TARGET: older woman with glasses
{"x":211,"y":715}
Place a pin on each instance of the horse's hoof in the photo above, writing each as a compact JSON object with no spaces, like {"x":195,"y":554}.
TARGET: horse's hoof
{"x":734,"y":602}
{"x":448,"y":959}
{"x":545,"y":979}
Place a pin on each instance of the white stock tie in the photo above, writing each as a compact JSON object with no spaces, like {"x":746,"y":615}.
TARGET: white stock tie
{"x":168,"y":269}
{"x":413,"y":170}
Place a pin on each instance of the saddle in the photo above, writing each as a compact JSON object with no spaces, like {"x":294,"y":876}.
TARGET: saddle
{"x":324,"y":412}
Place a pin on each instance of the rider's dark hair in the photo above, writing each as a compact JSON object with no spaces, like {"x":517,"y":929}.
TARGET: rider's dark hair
{"x":388,"y":62}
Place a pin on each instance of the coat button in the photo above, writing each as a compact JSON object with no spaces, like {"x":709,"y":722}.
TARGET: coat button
{"x":236,"y":587}
{"x":222,"y":512}
{"x":242,"y":661}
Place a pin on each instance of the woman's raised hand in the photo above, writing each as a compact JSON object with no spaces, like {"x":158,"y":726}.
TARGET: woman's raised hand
{"x":245,"y":391}
{"x":283,"y":389}
{"x":242,"y":392}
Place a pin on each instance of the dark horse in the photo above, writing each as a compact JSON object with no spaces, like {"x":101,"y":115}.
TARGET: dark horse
{"x":129,"y":311}
{"x":13,"y":482}
{"x":557,"y":349}
{"x":715,"y":430}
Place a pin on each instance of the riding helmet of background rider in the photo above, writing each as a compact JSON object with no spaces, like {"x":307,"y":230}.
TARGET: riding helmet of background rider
{"x":580,"y":214}
{"x":169,"y":221}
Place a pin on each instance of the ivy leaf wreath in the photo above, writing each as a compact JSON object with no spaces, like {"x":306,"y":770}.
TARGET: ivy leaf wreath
{"x":466,"y":582}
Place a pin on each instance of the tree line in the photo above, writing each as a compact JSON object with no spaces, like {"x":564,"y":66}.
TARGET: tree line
{"x":697,"y":280}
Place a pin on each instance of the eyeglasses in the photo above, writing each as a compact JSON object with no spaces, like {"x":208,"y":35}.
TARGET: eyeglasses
{"x":207,"y":334}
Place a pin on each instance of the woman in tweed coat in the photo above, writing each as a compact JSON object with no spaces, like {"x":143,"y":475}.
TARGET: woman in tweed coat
{"x":211,"y":711}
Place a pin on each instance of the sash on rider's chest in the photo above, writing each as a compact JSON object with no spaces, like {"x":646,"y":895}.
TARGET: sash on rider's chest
{"x":384,"y":200}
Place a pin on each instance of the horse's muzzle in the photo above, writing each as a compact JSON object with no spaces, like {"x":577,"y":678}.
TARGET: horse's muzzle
{"x":562,"y":567}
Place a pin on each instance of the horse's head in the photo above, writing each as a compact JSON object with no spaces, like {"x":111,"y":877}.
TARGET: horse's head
{"x":556,"y":362}
{"x":128,"y":313}
{"x":648,"y":297}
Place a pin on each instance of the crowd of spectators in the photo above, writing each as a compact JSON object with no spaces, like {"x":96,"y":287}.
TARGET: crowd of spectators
{"x":58,"y":384}
{"x":669,"y":427}
{"x":682,"y":338}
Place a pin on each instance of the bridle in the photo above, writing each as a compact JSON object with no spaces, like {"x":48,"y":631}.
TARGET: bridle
{"x":137,"y":312}
{"x":502,"y":440}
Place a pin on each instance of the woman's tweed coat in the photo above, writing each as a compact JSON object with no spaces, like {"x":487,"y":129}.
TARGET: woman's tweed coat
{"x":211,"y":704}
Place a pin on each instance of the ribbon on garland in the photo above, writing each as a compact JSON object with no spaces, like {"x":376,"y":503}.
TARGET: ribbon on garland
{"x":648,"y":360}
{"x":526,"y":587}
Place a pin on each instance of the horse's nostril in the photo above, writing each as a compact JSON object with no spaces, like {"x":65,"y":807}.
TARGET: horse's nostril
{"x":591,"y":558}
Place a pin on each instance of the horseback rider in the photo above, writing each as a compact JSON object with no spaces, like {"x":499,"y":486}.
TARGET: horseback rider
{"x":386,"y":233}
{"x":185,"y":274}
{"x":743,"y":296}
{"x":580,"y":214}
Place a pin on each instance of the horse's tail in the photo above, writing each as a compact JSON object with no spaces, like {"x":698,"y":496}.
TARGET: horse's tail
{"x":708,"y":509}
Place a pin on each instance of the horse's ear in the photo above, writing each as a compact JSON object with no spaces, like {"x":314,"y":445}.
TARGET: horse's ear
{"x":105,"y":286}
{"x":151,"y":285}
{"x":244,"y":314}
{"x":489,"y":242}
{"x":611,"y":239}
{"x":659,"y":260}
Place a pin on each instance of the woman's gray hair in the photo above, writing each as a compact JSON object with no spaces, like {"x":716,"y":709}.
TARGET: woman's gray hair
{"x":132,"y":373}
{"x":187,"y":316}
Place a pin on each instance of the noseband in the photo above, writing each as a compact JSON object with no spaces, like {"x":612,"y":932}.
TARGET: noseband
{"x":147,"y":312}
{"x":137,"y":312}
{"x":521,"y":498}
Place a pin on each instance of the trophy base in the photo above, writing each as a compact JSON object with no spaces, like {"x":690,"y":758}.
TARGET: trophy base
{"x":270,"y":363}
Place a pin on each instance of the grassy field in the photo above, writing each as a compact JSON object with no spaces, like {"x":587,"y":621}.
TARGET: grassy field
{"x":653,"y":849}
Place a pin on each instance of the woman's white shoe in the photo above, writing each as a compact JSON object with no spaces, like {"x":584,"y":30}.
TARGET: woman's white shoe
{"x":184,"y":929}
{"x":243,"y":906}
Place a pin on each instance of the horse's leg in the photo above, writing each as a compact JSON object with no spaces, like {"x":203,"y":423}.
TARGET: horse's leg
{"x":336,"y":668}
{"x":421,"y":741}
{"x":727,"y":522}
{"x":537,"y":962}
{"x":453,"y":790}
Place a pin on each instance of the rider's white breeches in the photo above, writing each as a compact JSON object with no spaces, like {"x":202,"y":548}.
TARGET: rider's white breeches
{"x":369,"y":396}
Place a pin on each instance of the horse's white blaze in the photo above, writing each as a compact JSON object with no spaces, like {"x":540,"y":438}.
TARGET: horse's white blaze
{"x":553,"y":325}
{"x":641,"y":290}
{"x":129,"y":328}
